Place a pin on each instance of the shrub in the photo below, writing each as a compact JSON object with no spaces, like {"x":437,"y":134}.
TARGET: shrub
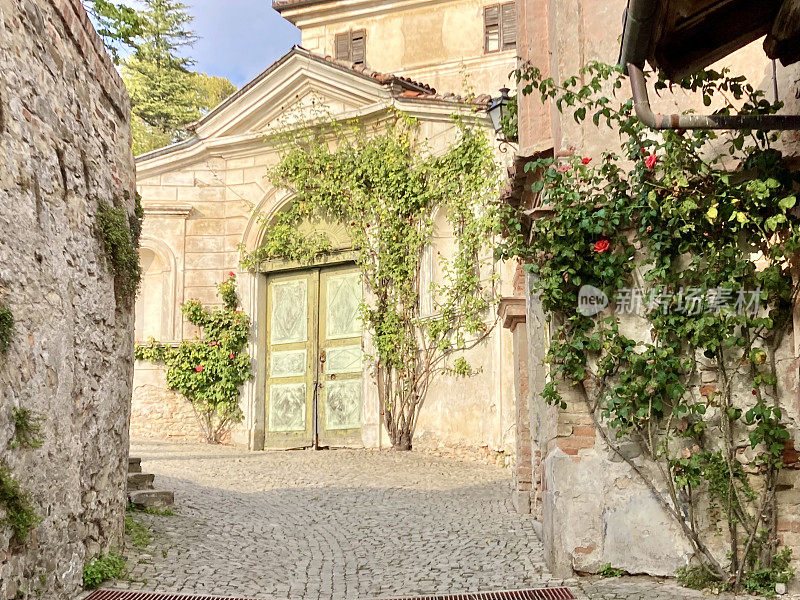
{"x":103,"y":568}
{"x":209,"y":372}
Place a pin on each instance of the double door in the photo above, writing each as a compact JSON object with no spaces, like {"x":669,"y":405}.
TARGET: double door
{"x":314,"y":358}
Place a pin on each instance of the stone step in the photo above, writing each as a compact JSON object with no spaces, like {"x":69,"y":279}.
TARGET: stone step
{"x":152,"y":498}
{"x":140,"y":481}
{"x":134,"y":465}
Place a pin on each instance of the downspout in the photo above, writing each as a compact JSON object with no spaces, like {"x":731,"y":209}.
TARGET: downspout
{"x":641,"y":104}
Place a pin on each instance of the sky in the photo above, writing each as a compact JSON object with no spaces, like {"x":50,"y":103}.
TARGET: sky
{"x":239,"y":38}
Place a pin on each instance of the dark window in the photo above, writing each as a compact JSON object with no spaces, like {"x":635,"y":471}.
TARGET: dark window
{"x":352,"y":46}
{"x":500,"y":27}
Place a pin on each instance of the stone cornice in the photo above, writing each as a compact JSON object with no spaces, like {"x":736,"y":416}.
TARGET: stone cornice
{"x":178,"y":209}
{"x":512,"y":312}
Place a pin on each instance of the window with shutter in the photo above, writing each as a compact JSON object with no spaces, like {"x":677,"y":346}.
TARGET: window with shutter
{"x":491,"y":28}
{"x":500,"y":27}
{"x":358,"y":46}
{"x":351,"y":46}
{"x":508,"y":25}
{"x":342,"y":44}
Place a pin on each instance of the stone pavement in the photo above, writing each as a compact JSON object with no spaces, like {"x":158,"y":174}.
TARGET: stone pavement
{"x":333,"y":525}
{"x":345,"y":524}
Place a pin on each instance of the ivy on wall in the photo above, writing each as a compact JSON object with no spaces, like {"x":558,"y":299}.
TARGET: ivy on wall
{"x":385,"y":185}
{"x":120,"y":232}
{"x":209,"y":371}
{"x":676,"y":229}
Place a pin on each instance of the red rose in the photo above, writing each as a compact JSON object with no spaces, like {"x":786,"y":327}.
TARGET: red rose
{"x":644,"y":150}
{"x":651,"y":161}
{"x":199,"y":368}
{"x":602,"y":245}
{"x":231,"y":274}
{"x":230,"y":355}
{"x":586,"y":160}
{"x":755,"y":393}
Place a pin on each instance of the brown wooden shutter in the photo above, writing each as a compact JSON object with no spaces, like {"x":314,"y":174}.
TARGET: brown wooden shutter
{"x":342,"y":44}
{"x":491,"y":28}
{"x":358,"y":47}
{"x":508,"y":25}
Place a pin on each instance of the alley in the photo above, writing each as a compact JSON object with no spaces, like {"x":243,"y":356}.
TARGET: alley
{"x":331,"y":525}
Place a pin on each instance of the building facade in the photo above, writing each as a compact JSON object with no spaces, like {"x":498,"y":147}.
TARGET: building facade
{"x":592,"y":507}
{"x":205,"y":200}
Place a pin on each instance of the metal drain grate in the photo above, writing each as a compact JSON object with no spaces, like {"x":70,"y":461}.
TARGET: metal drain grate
{"x":553,"y":593}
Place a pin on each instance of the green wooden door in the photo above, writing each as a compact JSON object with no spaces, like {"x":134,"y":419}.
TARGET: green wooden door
{"x":314,"y":358}
{"x":339,"y":401}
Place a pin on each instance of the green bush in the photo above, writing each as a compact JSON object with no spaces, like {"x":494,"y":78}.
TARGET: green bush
{"x":102,"y":569}
{"x":697,"y":577}
{"x":761,"y":581}
{"x":209,"y":372}
{"x":20,"y":515}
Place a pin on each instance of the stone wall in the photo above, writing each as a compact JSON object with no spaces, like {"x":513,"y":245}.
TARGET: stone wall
{"x":64,"y":146}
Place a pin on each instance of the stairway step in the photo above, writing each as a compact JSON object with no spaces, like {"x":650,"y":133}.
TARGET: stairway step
{"x":134,"y":465}
{"x":152,"y":498}
{"x":140,"y":481}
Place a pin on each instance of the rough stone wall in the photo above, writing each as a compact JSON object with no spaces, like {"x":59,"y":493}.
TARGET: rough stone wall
{"x":64,"y":146}
{"x":592,"y":507}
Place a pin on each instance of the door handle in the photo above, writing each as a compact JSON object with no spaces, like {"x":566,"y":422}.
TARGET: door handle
{"x":322,"y":358}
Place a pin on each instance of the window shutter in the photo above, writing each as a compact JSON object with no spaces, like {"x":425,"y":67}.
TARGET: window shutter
{"x":491,"y":28}
{"x":508,"y":22}
{"x":358,"y":47}
{"x":342,"y":44}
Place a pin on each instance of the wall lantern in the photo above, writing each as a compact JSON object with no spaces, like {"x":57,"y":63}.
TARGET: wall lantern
{"x":497,"y":110}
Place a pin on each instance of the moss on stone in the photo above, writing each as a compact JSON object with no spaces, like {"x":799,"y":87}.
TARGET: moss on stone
{"x":19,"y":513}
{"x":6,"y":328}
{"x":120,"y":233}
{"x":27,"y":429}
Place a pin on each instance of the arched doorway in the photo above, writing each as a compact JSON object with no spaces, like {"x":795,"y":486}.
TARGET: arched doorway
{"x":314,"y":357}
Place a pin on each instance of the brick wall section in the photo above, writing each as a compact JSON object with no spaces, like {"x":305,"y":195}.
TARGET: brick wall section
{"x":64,"y":146}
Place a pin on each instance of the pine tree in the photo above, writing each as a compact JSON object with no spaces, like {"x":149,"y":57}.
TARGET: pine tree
{"x":161,"y":86}
{"x":117,"y":24}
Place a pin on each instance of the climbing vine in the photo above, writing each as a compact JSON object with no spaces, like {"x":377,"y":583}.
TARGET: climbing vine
{"x":120,"y":233}
{"x":691,"y":237}
{"x":386,"y":186}
{"x":209,"y":371}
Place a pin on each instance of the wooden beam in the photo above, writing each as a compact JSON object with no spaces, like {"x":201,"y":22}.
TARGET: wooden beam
{"x":783,"y":42}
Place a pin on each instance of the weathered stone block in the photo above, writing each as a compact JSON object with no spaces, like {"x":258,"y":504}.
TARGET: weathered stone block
{"x":152,"y":498}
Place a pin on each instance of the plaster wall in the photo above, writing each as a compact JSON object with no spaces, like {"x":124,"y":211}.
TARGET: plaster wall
{"x":197,"y":214}
{"x":439,"y":43}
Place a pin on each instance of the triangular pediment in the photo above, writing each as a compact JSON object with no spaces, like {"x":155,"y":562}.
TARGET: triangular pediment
{"x":297,"y":87}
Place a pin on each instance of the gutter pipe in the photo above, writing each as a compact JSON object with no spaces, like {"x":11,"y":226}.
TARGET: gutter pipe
{"x":641,"y":104}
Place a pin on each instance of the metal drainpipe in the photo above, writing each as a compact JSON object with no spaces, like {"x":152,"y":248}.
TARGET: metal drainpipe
{"x":641,"y":104}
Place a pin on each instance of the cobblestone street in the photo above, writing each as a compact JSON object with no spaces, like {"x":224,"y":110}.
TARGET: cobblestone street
{"x":344,"y":524}
{"x":331,"y":525}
